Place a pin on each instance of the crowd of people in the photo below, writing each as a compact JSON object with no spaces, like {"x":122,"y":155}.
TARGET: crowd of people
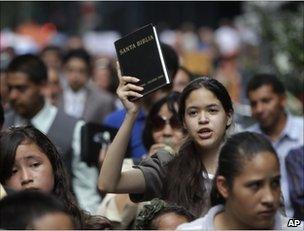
{"x":182,"y":157}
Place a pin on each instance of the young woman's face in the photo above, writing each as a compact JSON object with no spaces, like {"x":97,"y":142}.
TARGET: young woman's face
{"x":205,"y":118}
{"x":255,"y":195}
{"x":166,"y":129}
{"x":32,"y":169}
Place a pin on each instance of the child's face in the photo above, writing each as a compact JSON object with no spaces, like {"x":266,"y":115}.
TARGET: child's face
{"x":205,"y":118}
{"x":32,"y":169}
{"x":255,"y":195}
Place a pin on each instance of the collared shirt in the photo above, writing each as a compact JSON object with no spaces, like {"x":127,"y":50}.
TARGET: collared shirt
{"x":74,"y":102}
{"x":85,"y":178}
{"x":42,"y":120}
{"x":291,"y":137}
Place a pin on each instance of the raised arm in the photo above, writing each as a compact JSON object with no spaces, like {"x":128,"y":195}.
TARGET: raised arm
{"x":111,"y":179}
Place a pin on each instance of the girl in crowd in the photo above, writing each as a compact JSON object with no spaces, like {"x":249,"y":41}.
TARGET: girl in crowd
{"x":162,"y":131}
{"x":205,"y":110}
{"x":29,"y":160}
{"x":246,"y":187}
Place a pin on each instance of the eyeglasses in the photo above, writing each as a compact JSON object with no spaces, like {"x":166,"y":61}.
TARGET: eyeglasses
{"x":158,"y":122}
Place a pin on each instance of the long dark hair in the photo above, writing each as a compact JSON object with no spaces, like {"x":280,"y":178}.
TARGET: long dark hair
{"x":170,"y":100}
{"x":185,"y":184}
{"x":10,"y":140}
{"x":239,"y":147}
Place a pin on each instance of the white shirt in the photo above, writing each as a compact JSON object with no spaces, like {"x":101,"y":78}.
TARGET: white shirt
{"x":207,"y":222}
{"x":42,"y":120}
{"x":74,"y":102}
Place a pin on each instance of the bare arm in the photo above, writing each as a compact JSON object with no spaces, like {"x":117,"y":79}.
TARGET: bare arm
{"x":111,"y":179}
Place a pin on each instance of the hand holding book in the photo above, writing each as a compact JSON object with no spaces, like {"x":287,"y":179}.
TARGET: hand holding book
{"x":140,"y":55}
{"x":127,"y":88}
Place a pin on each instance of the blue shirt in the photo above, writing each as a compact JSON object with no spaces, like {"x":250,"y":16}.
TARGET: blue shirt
{"x":291,"y":137}
{"x":115,"y":120}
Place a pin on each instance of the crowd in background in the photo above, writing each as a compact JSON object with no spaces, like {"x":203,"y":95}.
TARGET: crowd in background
{"x":54,"y":85}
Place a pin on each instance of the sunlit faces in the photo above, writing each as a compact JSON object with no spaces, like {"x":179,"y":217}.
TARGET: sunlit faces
{"x":255,"y":194}
{"x":24,"y":96}
{"x":31,"y":170}
{"x":267,"y":106}
{"x":169,"y":221}
{"x":76,"y":72}
{"x":205,"y":118}
{"x":53,"y":221}
{"x":171,"y":133}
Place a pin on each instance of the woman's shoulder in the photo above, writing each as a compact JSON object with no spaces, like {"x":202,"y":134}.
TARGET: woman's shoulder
{"x":164,"y":156}
{"x":203,"y":223}
{"x":161,"y":158}
{"x":197,"y":224}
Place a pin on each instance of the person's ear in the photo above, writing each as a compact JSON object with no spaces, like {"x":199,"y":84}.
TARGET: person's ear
{"x":229,"y":120}
{"x":222,"y":186}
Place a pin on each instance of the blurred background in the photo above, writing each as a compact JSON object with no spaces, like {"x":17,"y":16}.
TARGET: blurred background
{"x":229,"y":40}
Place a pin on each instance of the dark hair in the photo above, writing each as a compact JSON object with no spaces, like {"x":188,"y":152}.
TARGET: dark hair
{"x":147,"y":218}
{"x":193,"y":195}
{"x":10,"y":140}
{"x":20,"y":209}
{"x":31,"y":65}
{"x":210,"y":84}
{"x":171,"y":59}
{"x":170,"y":100}
{"x":79,"y":54}
{"x":239,"y":147}
{"x":260,"y":80}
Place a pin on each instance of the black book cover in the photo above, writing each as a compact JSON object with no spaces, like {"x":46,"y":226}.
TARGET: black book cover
{"x":93,"y":137}
{"x":140,"y":55}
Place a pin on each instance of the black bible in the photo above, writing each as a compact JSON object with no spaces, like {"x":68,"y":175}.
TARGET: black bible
{"x":139,"y":54}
